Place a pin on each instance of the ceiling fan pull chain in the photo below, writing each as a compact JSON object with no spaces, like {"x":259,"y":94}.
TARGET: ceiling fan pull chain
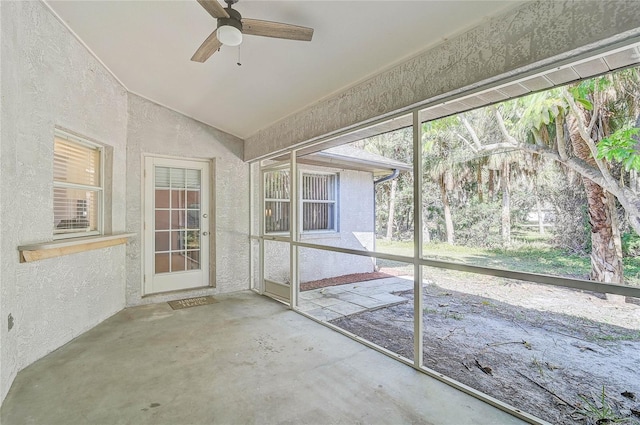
{"x":239,"y":64}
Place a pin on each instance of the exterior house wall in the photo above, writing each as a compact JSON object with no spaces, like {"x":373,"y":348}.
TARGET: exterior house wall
{"x":157,"y":131}
{"x":49,"y":79}
{"x":356,"y":231}
{"x":535,"y":35}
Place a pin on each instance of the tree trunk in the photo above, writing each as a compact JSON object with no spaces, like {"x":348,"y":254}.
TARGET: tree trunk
{"x":479,"y":183}
{"x":606,"y":258}
{"x":539,"y":212}
{"x":426,"y":236}
{"x":448,"y":221}
{"x":492,"y":186}
{"x":540,"y":216}
{"x":392,"y":208}
{"x":506,"y":204}
{"x":634,"y":181}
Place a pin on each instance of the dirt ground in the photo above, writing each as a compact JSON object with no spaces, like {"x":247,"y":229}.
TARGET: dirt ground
{"x":342,"y":280}
{"x":566,"y":356}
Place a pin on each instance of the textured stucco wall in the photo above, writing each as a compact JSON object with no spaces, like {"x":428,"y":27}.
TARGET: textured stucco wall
{"x":356,"y":232}
{"x":155,"y":130}
{"x":356,"y":225}
{"x":48,"y":79}
{"x":534,"y":35}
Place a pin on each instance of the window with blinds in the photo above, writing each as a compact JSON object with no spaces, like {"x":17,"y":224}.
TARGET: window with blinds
{"x":77,"y":187}
{"x":319,"y":202}
{"x":276,"y":201}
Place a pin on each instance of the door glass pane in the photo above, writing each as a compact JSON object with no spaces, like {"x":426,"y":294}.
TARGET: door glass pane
{"x":193,"y":260}
{"x":162,"y":241}
{"x":193,"y":179}
{"x":162,"y":177}
{"x":162,"y":219}
{"x":177,"y":209}
{"x":177,"y":261}
{"x":177,"y":219}
{"x":162,"y":263}
{"x":177,"y":178}
{"x":193,"y":199}
{"x":162,"y":198}
{"x":193,"y":219}
{"x":193,"y":240}
{"x":177,"y":241}
{"x":178,"y":199}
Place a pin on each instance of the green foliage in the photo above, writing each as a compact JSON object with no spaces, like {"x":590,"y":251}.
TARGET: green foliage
{"x":468,"y":177}
{"x":622,"y":146}
{"x":542,"y":109}
{"x":478,"y":224}
{"x":631,"y":244}
{"x":565,"y":192}
{"x":528,"y":257}
{"x":634,"y":336}
{"x":631,"y":270}
{"x":583,"y":92}
{"x":599,"y":409}
{"x":522,"y":257}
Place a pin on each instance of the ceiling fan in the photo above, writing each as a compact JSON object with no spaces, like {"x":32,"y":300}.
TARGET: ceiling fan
{"x":231,"y":27}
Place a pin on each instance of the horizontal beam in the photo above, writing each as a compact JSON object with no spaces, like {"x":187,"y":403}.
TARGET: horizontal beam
{"x":566,"y":282}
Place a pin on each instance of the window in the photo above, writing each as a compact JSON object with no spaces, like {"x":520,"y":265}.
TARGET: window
{"x":318,"y":202}
{"x":319,"y":210}
{"x":77,"y":187}
{"x":276,"y":201}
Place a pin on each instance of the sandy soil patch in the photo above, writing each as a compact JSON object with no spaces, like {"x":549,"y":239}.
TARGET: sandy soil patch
{"x":546,"y":350}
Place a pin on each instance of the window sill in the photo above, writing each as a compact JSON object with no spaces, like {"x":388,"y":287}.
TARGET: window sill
{"x":320,"y":235}
{"x":60,"y":247}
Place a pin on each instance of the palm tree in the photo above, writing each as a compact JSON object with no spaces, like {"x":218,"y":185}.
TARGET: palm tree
{"x":567,"y":125}
{"x":445,"y":162}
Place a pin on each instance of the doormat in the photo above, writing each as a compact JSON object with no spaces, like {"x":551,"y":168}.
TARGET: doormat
{"x":192,"y":302}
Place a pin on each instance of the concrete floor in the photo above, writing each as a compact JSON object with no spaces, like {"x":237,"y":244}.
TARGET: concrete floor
{"x":243,"y":360}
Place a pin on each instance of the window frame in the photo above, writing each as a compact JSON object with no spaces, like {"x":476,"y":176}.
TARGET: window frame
{"x":301,"y":174}
{"x":98,"y":190}
{"x":335,"y":218}
{"x":265,"y":171}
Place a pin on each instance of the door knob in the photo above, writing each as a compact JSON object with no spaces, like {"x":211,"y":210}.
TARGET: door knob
{"x":204,"y":216}
{"x":205,"y":233}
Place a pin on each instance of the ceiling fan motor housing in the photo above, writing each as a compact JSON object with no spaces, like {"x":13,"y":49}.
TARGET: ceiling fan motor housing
{"x":234,"y":19}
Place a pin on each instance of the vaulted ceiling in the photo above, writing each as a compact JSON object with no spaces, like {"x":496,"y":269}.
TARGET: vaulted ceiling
{"x":147,"y":45}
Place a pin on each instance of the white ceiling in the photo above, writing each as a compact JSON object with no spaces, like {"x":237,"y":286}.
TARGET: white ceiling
{"x":147,"y":45}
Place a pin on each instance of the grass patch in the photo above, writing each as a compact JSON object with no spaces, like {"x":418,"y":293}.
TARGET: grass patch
{"x":534,"y":256}
{"x":612,"y":338}
{"x":453,"y":315}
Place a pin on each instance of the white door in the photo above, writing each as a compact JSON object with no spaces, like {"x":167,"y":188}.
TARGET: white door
{"x":176,"y":227}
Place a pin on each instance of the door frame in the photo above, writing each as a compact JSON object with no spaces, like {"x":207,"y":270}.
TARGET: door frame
{"x":145,"y":246}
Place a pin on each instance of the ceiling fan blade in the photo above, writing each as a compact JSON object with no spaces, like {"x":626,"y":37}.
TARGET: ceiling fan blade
{"x":214,"y":8}
{"x":276,"y":30}
{"x":207,"y":48}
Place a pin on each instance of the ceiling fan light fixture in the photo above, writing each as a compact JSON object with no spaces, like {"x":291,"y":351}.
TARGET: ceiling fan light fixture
{"x":230,"y":29}
{"x":229,"y":35}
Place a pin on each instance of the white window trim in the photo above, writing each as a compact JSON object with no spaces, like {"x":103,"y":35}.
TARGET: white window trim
{"x":301,"y":173}
{"x":265,"y":200}
{"x":99,"y":190}
{"x":336,"y":227}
